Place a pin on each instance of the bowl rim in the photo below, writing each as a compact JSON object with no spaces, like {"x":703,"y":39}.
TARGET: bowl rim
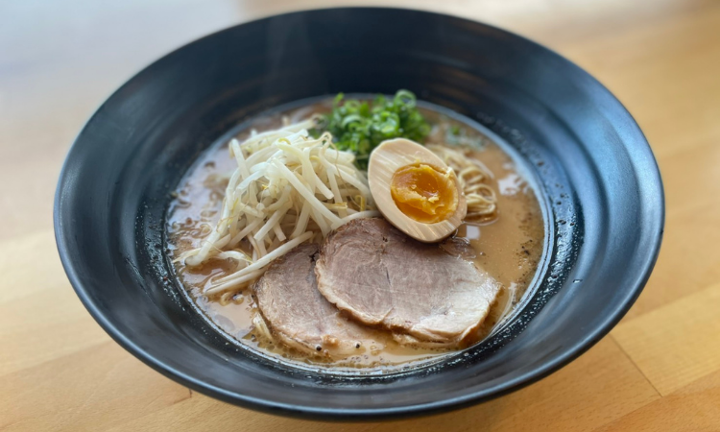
{"x":348,"y":414}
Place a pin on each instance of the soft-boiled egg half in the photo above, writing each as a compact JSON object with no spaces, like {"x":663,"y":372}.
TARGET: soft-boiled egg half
{"x":415,"y":190}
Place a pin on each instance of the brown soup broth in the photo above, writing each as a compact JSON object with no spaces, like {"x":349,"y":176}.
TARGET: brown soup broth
{"x":508,"y":245}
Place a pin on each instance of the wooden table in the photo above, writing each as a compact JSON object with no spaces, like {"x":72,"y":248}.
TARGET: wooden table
{"x":658,"y":370}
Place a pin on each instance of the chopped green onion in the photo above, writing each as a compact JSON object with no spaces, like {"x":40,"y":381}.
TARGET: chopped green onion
{"x":360,"y":126}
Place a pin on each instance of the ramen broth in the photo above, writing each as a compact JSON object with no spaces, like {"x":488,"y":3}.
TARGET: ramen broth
{"x":508,"y":245}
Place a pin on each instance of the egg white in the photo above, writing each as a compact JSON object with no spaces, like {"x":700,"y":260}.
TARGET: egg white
{"x":385,"y":160}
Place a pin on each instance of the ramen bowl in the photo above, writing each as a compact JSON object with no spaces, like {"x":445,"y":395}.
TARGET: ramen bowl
{"x":595,"y":176}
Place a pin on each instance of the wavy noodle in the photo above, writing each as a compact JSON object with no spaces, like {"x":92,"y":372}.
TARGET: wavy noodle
{"x":473,"y":176}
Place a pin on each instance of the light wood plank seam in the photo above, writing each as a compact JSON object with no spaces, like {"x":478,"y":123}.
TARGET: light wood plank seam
{"x":617,"y":344}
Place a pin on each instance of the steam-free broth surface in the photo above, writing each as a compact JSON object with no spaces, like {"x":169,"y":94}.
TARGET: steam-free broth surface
{"x":507,"y":245}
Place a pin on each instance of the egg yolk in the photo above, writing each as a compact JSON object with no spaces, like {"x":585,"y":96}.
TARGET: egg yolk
{"x":424,"y":193}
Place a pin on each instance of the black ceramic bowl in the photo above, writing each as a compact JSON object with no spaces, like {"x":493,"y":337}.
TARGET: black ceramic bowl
{"x":596,"y":175}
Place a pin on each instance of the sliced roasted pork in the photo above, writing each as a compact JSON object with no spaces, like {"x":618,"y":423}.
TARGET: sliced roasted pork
{"x":423,"y":292}
{"x":299,"y":315}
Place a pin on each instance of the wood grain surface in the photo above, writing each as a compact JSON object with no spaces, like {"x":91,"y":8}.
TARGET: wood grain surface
{"x":658,"y":370}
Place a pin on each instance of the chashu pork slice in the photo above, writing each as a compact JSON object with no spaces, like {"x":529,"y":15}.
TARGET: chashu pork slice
{"x":298,"y":315}
{"x":421,"y":292}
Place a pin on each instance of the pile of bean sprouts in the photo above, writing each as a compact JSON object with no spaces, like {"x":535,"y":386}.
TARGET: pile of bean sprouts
{"x":288,"y":188}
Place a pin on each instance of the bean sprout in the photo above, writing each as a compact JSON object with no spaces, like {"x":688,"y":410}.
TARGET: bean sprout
{"x":288,"y":188}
